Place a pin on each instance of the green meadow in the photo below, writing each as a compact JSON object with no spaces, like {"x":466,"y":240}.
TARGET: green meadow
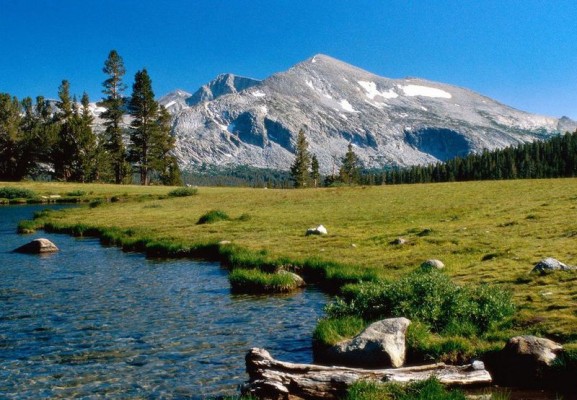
{"x":490,"y":232}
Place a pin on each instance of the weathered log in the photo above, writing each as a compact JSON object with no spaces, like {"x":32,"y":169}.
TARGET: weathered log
{"x":273,"y":379}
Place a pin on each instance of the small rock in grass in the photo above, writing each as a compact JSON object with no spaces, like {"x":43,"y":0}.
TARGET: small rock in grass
{"x":551,"y":264}
{"x":432,"y":264}
{"x":319,"y":230}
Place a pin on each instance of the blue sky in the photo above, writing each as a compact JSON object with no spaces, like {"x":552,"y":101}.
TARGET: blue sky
{"x":520,"y":52}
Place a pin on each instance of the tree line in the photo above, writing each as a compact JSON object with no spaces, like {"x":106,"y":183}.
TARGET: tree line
{"x":552,"y":158}
{"x":41,"y":139}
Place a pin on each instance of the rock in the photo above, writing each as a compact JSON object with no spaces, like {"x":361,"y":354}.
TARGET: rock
{"x":319,"y":230}
{"x":551,"y":264}
{"x":399,"y":241}
{"x":298,"y":280}
{"x":432,"y":264}
{"x":524,"y":361}
{"x":38,"y":246}
{"x":380,"y":345}
{"x":538,"y":350}
{"x":224,"y":242}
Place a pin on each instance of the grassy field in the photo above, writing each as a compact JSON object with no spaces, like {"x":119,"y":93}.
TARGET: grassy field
{"x":484,"y":232}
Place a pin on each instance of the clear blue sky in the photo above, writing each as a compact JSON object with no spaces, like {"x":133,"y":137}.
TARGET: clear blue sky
{"x":522,"y":53}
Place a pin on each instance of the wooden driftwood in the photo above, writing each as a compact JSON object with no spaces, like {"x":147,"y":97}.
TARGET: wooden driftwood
{"x":273,"y":379}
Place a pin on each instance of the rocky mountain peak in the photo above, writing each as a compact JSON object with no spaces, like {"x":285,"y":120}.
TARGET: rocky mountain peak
{"x":390,"y":122}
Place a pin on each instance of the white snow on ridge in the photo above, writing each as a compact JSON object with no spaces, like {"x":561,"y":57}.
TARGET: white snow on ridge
{"x":258,"y":93}
{"x":346,"y":106}
{"x":425,"y":91}
{"x":310,"y":84}
{"x":372,"y":92}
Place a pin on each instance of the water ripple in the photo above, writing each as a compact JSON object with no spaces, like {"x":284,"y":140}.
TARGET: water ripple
{"x":92,"y":322}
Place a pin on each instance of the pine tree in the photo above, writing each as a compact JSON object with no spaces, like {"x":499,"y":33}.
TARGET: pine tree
{"x":65,"y":150}
{"x":162,"y":160}
{"x":150,"y":139}
{"x":88,"y":166}
{"x":114,"y":102}
{"x":315,"y":175}
{"x":300,"y":167}
{"x":10,"y":134}
{"x":350,"y":171}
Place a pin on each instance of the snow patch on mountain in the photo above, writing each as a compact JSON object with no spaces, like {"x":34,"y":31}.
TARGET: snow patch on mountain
{"x":417,"y":90}
{"x":372,"y":92}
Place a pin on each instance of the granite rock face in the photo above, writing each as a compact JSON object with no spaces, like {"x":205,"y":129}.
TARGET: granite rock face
{"x":390,"y":122}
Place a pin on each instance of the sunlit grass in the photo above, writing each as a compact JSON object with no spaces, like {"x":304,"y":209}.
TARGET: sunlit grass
{"x":484,"y":232}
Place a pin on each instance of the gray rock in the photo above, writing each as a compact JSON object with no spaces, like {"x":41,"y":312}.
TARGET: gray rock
{"x":432,"y":264}
{"x":551,"y":264}
{"x":38,"y":246}
{"x":524,"y":361}
{"x":380,"y":345}
{"x":298,"y":280}
{"x":319,"y":230}
{"x":538,"y":350}
{"x":399,"y":241}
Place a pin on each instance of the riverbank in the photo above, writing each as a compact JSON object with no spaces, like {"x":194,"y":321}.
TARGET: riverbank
{"x":484,"y":232}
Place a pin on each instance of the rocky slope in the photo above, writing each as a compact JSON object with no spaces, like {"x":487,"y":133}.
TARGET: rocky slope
{"x":235,"y":120}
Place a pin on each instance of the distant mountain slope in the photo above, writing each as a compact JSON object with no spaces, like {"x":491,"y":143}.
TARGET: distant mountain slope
{"x":399,"y":122}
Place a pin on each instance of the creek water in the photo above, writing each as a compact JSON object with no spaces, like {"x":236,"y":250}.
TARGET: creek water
{"x":92,"y":322}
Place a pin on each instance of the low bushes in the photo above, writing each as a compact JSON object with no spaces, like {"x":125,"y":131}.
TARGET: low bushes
{"x":429,"y":297}
{"x":183,"y":192}
{"x":11,"y":193}
{"x":212,"y":217}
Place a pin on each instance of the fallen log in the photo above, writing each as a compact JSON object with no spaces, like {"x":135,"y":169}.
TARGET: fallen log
{"x":276,"y":380}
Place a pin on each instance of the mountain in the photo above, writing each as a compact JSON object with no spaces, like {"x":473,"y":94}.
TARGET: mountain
{"x":390,"y":122}
{"x":175,"y":101}
{"x":220,"y":86}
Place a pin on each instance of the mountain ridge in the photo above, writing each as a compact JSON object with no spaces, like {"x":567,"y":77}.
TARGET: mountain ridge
{"x":390,"y":122}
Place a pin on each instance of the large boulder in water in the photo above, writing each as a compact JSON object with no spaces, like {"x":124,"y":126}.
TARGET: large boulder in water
{"x":38,"y":246}
{"x":380,"y":345}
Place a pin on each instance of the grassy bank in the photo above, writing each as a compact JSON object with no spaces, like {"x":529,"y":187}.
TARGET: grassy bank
{"x":484,"y":232}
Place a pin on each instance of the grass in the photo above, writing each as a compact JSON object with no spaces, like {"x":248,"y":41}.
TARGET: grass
{"x":484,"y":232}
{"x":430,"y":389}
{"x":258,"y":282}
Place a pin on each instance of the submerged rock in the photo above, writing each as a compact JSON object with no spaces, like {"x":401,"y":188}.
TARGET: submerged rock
{"x":38,"y":246}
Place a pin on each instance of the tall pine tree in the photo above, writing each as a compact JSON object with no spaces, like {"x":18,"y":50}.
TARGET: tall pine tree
{"x":114,"y":104}
{"x":150,"y":139}
{"x":144,"y":111}
{"x":300,"y":167}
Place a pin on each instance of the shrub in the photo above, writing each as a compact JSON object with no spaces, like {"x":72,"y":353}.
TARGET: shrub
{"x":213,"y":216}
{"x":429,"y":297}
{"x":76,"y":193}
{"x":183,"y":192}
{"x":96,"y":203}
{"x":10,"y":193}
